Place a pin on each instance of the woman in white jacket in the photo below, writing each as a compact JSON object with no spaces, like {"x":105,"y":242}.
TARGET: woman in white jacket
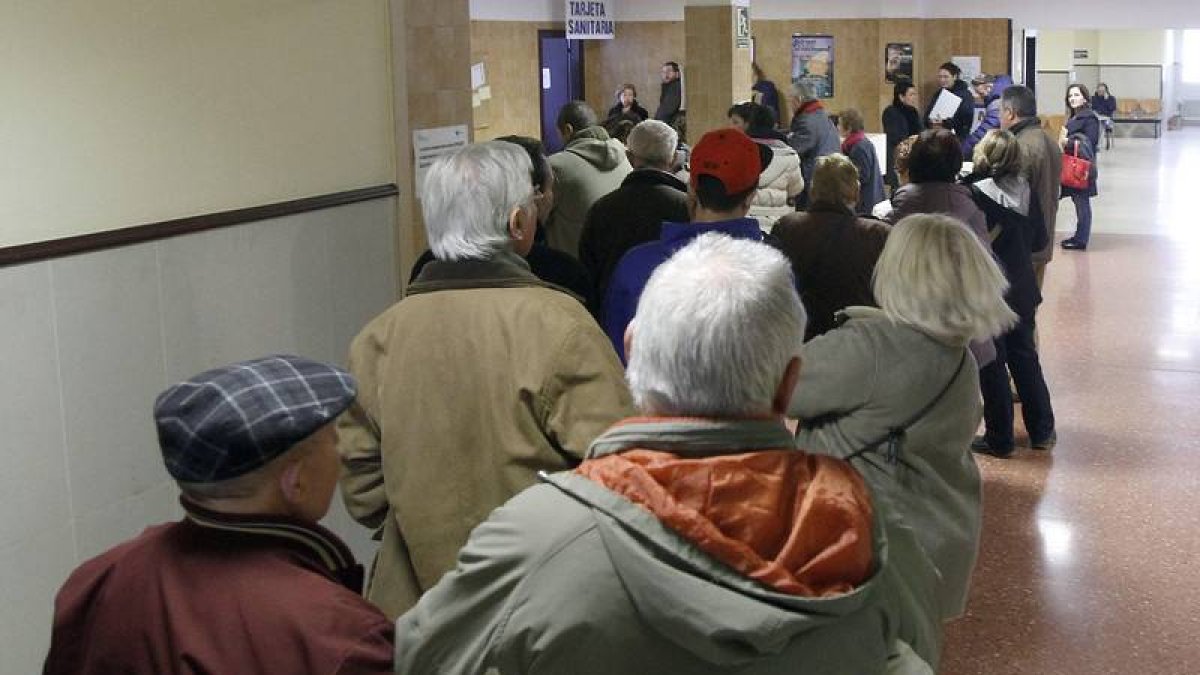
{"x":781,"y":181}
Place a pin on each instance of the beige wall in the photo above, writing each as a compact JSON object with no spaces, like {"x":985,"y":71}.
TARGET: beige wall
{"x":635,"y":56}
{"x":126,"y":112}
{"x":509,"y":53}
{"x":1132,"y":47}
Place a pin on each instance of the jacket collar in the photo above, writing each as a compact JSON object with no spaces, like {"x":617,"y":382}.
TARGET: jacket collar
{"x":1025,"y":124}
{"x":317,"y":543}
{"x":653,"y":177}
{"x":679,"y":234}
{"x":692,"y":436}
{"x":503,"y":270}
{"x":839,"y":209}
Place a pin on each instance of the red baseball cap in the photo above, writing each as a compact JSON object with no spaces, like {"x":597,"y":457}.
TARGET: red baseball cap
{"x":730,"y":156}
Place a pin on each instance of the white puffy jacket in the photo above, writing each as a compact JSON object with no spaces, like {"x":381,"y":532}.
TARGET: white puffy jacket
{"x":779,"y":182}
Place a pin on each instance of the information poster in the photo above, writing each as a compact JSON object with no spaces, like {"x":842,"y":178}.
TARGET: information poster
{"x":429,"y":144}
{"x":898,"y":62}
{"x":970,"y":66}
{"x":590,"y":20}
{"x":812,"y":63}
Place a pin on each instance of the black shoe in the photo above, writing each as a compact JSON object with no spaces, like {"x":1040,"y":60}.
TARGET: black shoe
{"x":1046,"y":443}
{"x":981,"y":446}
{"x":1073,"y":245}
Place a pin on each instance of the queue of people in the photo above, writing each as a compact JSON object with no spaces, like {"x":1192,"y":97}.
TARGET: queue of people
{"x":576,"y":420}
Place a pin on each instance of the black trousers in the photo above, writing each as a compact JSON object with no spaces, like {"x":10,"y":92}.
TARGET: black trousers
{"x":1015,"y":353}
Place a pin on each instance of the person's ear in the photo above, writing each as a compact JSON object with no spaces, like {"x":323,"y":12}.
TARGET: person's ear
{"x":749,"y":200}
{"x":692,"y":203}
{"x":291,"y":482}
{"x":514,"y":223}
{"x":628,"y":340}
{"x":787,"y":387}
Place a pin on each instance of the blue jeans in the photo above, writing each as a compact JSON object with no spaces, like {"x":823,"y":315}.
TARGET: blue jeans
{"x":1083,"y":216}
{"x":1015,"y":352}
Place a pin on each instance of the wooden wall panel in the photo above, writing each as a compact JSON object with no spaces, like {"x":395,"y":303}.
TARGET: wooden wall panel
{"x":509,"y":52}
{"x":636,"y":56}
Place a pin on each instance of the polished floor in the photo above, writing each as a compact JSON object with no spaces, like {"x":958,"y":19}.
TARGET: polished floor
{"x":1090,"y":552}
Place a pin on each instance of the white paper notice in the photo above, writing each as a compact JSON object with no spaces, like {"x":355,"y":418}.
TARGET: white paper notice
{"x":880,"y":143}
{"x":485,"y":93}
{"x":429,"y":144}
{"x":478,"y":76}
{"x":545,"y":78}
{"x":945,"y":107}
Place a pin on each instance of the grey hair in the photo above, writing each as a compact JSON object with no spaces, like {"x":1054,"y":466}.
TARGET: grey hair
{"x":935,"y":275}
{"x":803,"y":91}
{"x":654,"y":142}
{"x":468,"y":197}
{"x":715,"y":329}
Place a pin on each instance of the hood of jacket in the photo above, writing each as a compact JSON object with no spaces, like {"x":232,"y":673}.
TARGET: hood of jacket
{"x":782,"y":160}
{"x":693,"y":600}
{"x":1010,"y":192}
{"x":594,"y":147}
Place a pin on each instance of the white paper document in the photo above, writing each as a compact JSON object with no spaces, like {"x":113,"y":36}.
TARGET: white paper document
{"x":945,"y":106}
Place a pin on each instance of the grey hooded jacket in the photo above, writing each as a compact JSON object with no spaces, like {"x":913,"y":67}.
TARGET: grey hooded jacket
{"x":591,"y":166}
{"x":570,"y":577}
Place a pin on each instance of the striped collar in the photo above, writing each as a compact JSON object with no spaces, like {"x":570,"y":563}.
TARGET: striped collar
{"x":318,"y":543}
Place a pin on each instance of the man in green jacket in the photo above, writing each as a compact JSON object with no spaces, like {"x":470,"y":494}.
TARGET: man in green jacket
{"x":696,"y":538}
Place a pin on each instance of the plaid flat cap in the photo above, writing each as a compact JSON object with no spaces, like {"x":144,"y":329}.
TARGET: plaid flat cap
{"x":231,"y":420}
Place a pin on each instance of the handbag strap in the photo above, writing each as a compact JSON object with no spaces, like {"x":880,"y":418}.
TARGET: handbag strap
{"x":895,"y":435}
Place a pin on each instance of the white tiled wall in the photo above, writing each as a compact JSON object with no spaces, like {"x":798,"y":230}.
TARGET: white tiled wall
{"x":87,"y":342}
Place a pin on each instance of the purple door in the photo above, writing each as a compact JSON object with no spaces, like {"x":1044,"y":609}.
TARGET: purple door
{"x":560,"y":75}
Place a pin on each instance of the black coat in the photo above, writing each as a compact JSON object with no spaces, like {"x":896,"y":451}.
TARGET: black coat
{"x":635,"y":111}
{"x":670,"y":101}
{"x":899,"y":122}
{"x":548,"y":264}
{"x":630,"y":215}
{"x":1016,"y":237}
{"x":960,"y":124}
{"x":1083,"y":135}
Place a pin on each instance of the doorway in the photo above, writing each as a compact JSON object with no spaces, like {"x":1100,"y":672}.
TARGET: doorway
{"x":560,"y":71}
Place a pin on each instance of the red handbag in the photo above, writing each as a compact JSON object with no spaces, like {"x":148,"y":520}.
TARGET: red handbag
{"x":1075,"y":170}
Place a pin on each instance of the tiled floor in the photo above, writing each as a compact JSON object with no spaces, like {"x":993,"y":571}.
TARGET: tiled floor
{"x":1090,"y":552}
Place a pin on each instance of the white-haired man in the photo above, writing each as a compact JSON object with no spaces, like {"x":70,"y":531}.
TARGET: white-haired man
{"x":634,"y":213}
{"x":696,"y":538}
{"x":478,"y":379}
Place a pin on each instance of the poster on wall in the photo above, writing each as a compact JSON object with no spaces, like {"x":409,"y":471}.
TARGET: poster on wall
{"x":898,"y":62}
{"x":590,"y":20}
{"x":741,"y":27}
{"x":970,"y":66}
{"x":812,"y":63}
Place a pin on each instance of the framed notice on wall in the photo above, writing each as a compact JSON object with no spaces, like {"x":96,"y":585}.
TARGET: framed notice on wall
{"x":812,"y":63}
{"x":898,"y":62}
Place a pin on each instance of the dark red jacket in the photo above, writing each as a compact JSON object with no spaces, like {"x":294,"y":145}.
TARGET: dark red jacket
{"x":220,"y":594}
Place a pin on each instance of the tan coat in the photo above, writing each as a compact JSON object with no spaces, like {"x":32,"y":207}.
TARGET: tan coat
{"x":481,"y":377}
{"x":1043,"y":170}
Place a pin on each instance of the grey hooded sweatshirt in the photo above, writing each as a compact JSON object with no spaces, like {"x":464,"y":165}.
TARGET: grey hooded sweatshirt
{"x":570,"y":577}
{"x":589,"y":167}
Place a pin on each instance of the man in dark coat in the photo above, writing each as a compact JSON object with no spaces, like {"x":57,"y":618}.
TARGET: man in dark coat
{"x":247,"y":582}
{"x":634,"y":213}
{"x":670,"y":100}
{"x":812,"y":132}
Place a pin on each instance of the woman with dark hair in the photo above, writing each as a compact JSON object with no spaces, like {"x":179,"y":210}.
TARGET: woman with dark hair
{"x":1081,"y":136}
{"x":934,"y":165}
{"x":901,"y":119}
{"x":960,"y":123}
{"x":859,"y":149}
{"x":627,"y":105}
{"x":765,"y":92}
{"x":1104,"y":103}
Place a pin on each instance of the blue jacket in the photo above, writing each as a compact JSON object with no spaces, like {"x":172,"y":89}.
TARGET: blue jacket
{"x":639,"y":263}
{"x":991,"y":117}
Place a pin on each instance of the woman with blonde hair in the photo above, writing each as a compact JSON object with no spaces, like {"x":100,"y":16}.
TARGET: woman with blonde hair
{"x":894,"y":389}
{"x":1002,"y":193}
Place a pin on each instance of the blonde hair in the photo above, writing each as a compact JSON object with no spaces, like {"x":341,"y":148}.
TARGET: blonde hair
{"x":901,"y":155}
{"x":935,"y":275}
{"x":834,"y":181}
{"x":998,"y":154}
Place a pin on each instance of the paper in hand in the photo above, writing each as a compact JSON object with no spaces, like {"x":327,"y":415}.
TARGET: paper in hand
{"x":946,"y":105}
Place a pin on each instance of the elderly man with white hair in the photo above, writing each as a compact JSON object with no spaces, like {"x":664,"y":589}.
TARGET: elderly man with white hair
{"x":695,"y":538}
{"x":480,"y":377}
{"x":634,"y":213}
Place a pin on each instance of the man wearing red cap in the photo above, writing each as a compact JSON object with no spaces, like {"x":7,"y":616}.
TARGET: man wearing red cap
{"x":725,"y":166}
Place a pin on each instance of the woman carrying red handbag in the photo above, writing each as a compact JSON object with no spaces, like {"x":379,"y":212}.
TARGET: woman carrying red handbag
{"x":1081,"y":137}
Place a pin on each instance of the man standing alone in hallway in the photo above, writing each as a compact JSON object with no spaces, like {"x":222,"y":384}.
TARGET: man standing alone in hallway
{"x":1043,"y":167}
{"x":671,"y":98}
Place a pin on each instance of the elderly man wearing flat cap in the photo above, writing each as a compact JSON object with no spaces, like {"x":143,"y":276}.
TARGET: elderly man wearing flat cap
{"x":482,"y":376}
{"x":725,"y":167}
{"x":247,"y":582}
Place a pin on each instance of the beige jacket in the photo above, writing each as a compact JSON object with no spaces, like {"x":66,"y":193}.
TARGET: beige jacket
{"x":778,"y":183}
{"x":478,"y":379}
{"x":1043,"y":169}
